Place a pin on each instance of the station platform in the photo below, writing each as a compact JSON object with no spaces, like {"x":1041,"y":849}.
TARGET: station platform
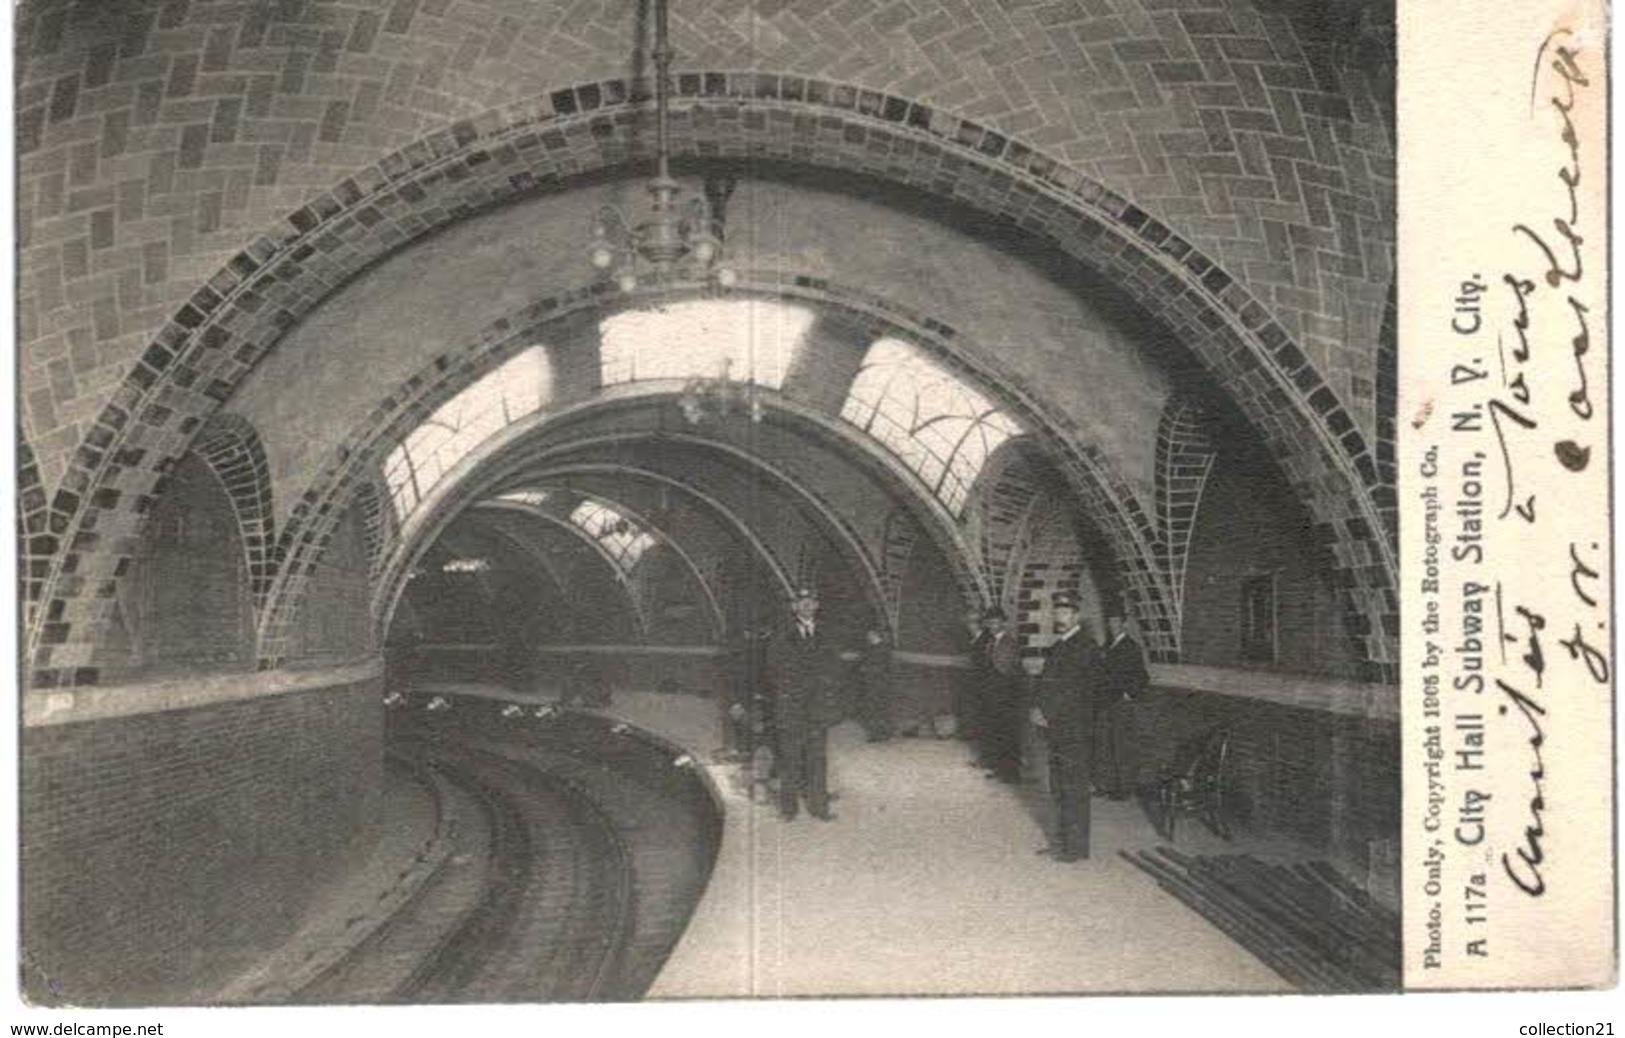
{"x":928,"y":882}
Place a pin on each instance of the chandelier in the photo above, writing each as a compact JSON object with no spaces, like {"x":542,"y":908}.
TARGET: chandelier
{"x":676,"y":236}
{"x":715,"y":399}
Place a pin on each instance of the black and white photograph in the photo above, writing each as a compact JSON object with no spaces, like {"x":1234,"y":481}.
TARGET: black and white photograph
{"x":535,"y":501}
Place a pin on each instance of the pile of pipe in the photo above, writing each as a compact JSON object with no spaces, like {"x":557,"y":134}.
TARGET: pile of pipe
{"x":1305,"y":920}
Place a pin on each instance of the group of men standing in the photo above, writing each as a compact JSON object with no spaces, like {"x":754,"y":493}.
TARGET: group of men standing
{"x":1085,"y":705}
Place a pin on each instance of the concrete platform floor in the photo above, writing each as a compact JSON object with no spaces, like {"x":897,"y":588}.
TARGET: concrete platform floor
{"x":928,"y":883}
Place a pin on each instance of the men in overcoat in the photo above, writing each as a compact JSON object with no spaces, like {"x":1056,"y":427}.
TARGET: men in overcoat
{"x":873,"y":685}
{"x":1065,"y":711}
{"x":1117,"y":712}
{"x":996,"y":662}
{"x":804,"y":666}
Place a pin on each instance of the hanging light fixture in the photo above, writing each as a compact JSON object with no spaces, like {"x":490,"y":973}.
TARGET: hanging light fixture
{"x":677,"y":236}
{"x":714,"y":399}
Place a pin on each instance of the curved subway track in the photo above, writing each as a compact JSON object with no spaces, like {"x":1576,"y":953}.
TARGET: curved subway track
{"x":578,"y":850}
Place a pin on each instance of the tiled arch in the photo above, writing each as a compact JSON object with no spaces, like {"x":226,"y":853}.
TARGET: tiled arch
{"x":202,"y":354}
{"x":664,"y":536}
{"x":901,"y":533}
{"x":33,"y":512}
{"x":512,"y":459}
{"x":531,"y":550}
{"x":573,"y":533}
{"x":1000,"y":508}
{"x":1386,"y":493}
{"x":1185,"y":457}
{"x":232,"y":447}
{"x":730,"y":521}
{"x":377,"y":523}
{"x":1103,"y":493}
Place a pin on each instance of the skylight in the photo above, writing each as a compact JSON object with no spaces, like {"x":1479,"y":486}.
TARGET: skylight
{"x":750,"y":340}
{"x":621,"y":538}
{"x":938,"y":424}
{"x":465,"y":566}
{"x":514,"y":390}
{"x":525,"y":497}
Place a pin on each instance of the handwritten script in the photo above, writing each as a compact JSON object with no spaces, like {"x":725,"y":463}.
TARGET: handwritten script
{"x":1548,"y":288}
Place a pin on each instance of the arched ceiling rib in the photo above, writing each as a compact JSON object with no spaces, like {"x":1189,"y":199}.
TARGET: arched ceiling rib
{"x":575,"y":533}
{"x":526,"y":461}
{"x":662,"y":533}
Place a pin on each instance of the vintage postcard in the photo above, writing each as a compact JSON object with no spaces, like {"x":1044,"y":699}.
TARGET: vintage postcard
{"x":531,"y":502}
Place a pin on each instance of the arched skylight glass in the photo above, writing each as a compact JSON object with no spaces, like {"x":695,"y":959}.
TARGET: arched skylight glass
{"x":936,"y":423}
{"x":514,"y":390}
{"x":621,"y":538}
{"x":525,"y":497}
{"x":465,"y":566}
{"x":751,"y":340}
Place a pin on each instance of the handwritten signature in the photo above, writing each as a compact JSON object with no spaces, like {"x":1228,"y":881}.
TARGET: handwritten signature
{"x":1557,"y":243}
{"x":1556,"y":264}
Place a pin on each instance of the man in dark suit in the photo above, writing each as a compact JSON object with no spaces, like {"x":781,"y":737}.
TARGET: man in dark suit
{"x":1117,"y":712}
{"x":873,"y":685}
{"x":1065,"y":712}
{"x":804,"y":667}
{"x":996,"y":663}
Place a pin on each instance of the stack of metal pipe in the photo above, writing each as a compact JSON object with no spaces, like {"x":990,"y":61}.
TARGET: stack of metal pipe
{"x":1304,"y":920}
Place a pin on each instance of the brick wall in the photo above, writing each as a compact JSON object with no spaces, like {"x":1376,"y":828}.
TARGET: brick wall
{"x":163,"y":852}
{"x":1056,"y":558}
{"x":997,"y":516}
{"x":188,"y":604}
{"x":1328,"y":780}
{"x":1249,"y":527}
{"x":931,"y":613}
{"x":336,"y":624}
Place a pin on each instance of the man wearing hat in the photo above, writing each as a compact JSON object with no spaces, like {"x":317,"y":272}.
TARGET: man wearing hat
{"x":996,"y":658}
{"x":1065,"y":713}
{"x":804,"y":667}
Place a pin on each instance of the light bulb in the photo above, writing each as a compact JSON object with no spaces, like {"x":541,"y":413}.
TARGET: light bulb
{"x":602,"y":256}
{"x":705,"y":250}
{"x":727,"y":278}
{"x":627,"y":281}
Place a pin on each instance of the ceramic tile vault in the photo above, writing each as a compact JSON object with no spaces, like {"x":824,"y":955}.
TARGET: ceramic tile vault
{"x":156,"y":139}
{"x":204,"y":351}
{"x":1104,"y":495}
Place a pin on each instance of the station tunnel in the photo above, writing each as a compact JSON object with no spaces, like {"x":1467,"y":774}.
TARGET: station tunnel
{"x":372,"y":542}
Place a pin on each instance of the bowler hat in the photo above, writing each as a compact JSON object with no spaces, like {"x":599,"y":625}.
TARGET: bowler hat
{"x":993,"y":613}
